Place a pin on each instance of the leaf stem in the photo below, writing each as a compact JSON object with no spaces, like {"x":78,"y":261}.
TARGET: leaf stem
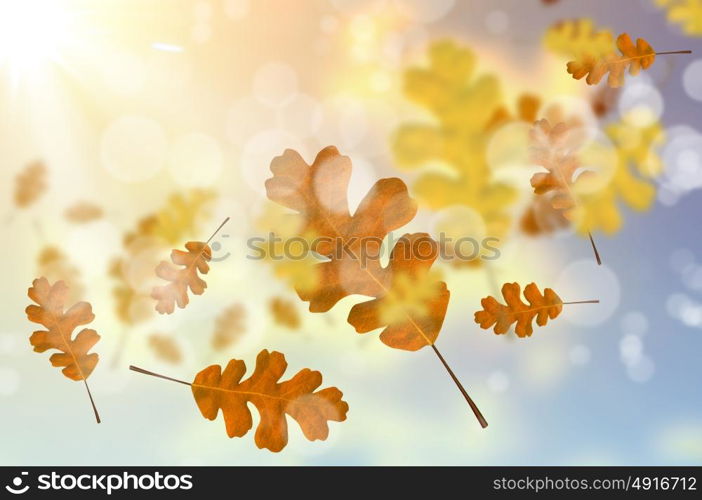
{"x":146,"y":372}
{"x":218,"y":230}
{"x":471,"y":403}
{"x":674,"y":52}
{"x":97,"y":415}
{"x":596,"y":301}
{"x":594,"y":248}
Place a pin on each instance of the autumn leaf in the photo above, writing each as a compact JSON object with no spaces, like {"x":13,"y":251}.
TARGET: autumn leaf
{"x":30,"y":184}
{"x":318,"y":193}
{"x":179,"y":218}
{"x":637,"y":162}
{"x":284,"y":313}
{"x":165,"y":348}
{"x":576,"y":37}
{"x":229,"y":326}
{"x":555,"y":148}
{"x":54,"y":265}
{"x":50,"y":312}
{"x":83,"y":212}
{"x":466,"y":108}
{"x":176,"y":291}
{"x":216,"y":390}
{"x":633,"y":57}
{"x":541,"y":307}
{"x":686,"y":13}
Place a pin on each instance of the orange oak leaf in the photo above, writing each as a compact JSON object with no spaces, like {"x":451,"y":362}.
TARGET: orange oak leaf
{"x":176,"y":291}
{"x":30,"y":184}
{"x":540,"y":306}
{"x":633,"y":57}
{"x":216,"y":390}
{"x":74,"y":354}
{"x":318,"y":193}
{"x":352,"y":245}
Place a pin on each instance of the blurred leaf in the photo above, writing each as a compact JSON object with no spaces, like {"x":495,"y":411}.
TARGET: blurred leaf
{"x":229,"y":326}
{"x":165,"y":348}
{"x":30,"y":184}
{"x":575,"y":37}
{"x":686,"y":13}
{"x":55,"y":266}
{"x":83,"y":212}
{"x":284,"y":313}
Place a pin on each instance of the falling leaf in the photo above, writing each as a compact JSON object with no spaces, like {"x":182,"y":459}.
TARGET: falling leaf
{"x":30,"y":184}
{"x":466,"y":109}
{"x":178,"y":219}
{"x":229,"y":326}
{"x":55,"y":266}
{"x":636,"y":163}
{"x":633,"y":57}
{"x":555,"y":148}
{"x":50,"y":312}
{"x":575,"y":37}
{"x":165,"y":348}
{"x":318,"y":192}
{"x":540,"y":306}
{"x":284,"y":313}
{"x":131,"y":307}
{"x":216,"y":390}
{"x":193,"y":261}
{"x":83,"y":212}
{"x":686,"y":13}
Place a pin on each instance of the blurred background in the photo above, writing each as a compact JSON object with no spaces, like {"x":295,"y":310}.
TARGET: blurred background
{"x":129,"y":127}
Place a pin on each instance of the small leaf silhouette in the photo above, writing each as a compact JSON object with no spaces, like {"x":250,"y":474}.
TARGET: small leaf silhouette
{"x":216,"y":390}
{"x":633,"y":57}
{"x":541,"y":307}
{"x":165,"y":348}
{"x":83,"y":212}
{"x":229,"y":326}
{"x":74,"y":354}
{"x":284,"y":313}
{"x":30,"y":184}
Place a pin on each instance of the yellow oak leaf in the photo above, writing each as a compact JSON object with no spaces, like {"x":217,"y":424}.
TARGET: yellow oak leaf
{"x":686,"y":13}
